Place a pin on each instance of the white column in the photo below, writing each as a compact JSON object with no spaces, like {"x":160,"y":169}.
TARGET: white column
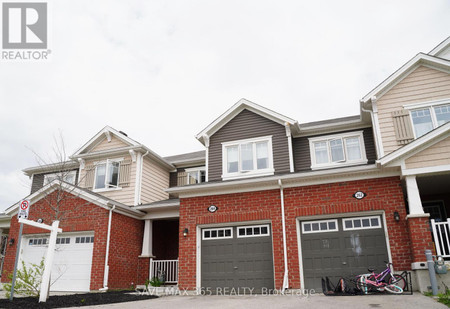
{"x":415,"y":205}
{"x":147,"y":248}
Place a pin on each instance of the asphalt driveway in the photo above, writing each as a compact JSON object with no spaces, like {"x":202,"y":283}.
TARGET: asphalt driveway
{"x":287,"y":301}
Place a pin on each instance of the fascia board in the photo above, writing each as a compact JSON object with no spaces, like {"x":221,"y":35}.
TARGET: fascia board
{"x":401,"y":73}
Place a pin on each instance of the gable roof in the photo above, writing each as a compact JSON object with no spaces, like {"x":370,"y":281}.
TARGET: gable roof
{"x":106,"y":132}
{"x":443,"y":49}
{"x":87,"y":195}
{"x":405,"y":70}
{"x":417,"y":145}
{"x":239,"y":107}
{"x":187,"y":158}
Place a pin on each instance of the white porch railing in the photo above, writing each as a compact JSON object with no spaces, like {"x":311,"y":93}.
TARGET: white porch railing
{"x":441,"y":234}
{"x":168,"y":268}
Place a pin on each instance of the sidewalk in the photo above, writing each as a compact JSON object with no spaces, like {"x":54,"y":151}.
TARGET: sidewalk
{"x":277,"y":301}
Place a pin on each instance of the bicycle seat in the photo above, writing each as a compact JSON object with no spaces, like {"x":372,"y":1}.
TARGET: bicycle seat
{"x":371,"y":270}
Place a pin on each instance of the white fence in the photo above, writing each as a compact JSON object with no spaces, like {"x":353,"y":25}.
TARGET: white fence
{"x":441,"y":234}
{"x":164,"y":268}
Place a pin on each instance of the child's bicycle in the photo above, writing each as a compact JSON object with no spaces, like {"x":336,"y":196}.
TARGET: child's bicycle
{"x":385,"y":280}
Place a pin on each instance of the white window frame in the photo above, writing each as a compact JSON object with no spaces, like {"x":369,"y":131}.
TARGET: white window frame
{"x":60,"y":175}
{"x":426,"y":105}
{"x":251,"y":173}
{"x":336,"y":229}
{"x":197,"y":170}
{"x":361,"y":227}
{"x":107,"y":161}
{"x":342,"y":136}
{"x":252,"y":227}
{"x":217,"y":229}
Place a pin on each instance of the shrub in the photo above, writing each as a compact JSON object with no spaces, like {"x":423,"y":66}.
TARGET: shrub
{"x":28,"y":280}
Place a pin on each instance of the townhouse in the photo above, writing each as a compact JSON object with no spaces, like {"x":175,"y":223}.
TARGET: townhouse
{"x":270,"y":203}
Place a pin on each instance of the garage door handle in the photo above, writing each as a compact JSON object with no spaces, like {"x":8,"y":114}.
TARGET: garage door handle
{"x":235,"y":267}
{"x":344,"y":263}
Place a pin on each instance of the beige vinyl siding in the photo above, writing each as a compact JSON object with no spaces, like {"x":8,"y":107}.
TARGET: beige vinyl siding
{"x":105,"y":145}
{"x":155,"y":180}
{"x":124,"y":195}
{"x":438,"y":154}
{"x":422,"y":85}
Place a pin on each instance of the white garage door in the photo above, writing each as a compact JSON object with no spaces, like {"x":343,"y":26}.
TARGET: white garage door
{"x":72,"y":263}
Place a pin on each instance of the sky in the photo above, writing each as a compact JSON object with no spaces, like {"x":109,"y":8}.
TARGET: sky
{"x":161,"y":71}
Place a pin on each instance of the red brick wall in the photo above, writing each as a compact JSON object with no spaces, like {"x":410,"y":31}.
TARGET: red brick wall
{"x":420,"y":234}
{"x":382,"y":194}
{"x":125,"y":247}
{"x":79,"y":215}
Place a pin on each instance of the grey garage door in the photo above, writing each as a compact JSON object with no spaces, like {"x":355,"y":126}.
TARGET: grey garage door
{"x":343,"y":247}
{"x":237,"y":257}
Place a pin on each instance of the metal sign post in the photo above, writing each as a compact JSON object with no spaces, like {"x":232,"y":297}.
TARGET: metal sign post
{"x":24,"y":209}
{"x":11,"y":296}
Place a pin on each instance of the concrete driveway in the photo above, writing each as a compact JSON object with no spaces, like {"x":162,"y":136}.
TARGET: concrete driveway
{"x":287,"y":301}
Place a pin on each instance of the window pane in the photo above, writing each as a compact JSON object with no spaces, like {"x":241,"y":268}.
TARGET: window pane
{"x":256,"y":231}
{"x":232,"y":158}
{"x":337,"y":152}
{"x":241,"y":232}
{"x":331,"y":225}
{"x":348,"y":224}
{"x":353,"y":148}
{"x":221,"y":233}
{"x":249,"y":231}
{"x":315,"y":226}
{"x":207,"y":234}
{"x":202,"y":176}
{"x":262,"y":155}
{"x":264,"y":230}
{"x":247,"y":156}
{"x":442,"y":114}
{"x":307,"y":227}
{"x":357,"y":223}
{"x":374,"y":222}
{"x":192,"y":177}
{"x":70,"y":178}
{"x":323,"y":226}
{"x":321,"y":151}
{"x":365,"y":222}
{"x":227,"y":233}
{"x":113,"y":174}
{"x":421,"y":121}
{"x":101,"y":175}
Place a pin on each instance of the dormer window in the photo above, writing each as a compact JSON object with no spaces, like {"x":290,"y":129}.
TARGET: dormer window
{"x":245,"y":158}
{"x":107,"y":174}
{"x":337,"y":150}
{"x":195,"y":175}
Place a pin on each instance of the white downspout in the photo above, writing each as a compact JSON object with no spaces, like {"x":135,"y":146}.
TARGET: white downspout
{"x":286,"y":272}
{"x":106,"y":273}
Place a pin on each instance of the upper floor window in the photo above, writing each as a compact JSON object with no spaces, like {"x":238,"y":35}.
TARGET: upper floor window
{"x":64,"y":176}
{"x":248,"y":157}
{"x":426,"y":119}
{"x":107,"y":174}
{"x":195,"y":175}
{"x":337,"y":150}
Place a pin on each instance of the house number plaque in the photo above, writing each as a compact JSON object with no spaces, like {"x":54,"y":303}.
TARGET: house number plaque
{"x":212,"y":208}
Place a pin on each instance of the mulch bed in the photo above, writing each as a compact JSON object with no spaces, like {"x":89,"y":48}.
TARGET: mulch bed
{"x":75,"y":300}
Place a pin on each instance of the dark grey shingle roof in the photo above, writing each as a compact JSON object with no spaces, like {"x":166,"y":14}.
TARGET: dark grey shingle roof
{"x":186,"y":157}
{"x":330,"y":121}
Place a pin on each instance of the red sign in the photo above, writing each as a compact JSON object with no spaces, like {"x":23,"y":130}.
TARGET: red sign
{"x":24,"y":209}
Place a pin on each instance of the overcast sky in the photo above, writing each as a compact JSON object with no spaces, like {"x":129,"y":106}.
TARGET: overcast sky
{"x":161,"y":71}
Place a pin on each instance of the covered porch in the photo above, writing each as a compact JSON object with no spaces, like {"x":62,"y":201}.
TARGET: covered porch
{"x":160,"y":240}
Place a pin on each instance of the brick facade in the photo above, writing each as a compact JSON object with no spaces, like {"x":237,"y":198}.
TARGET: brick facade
{"x":382,"y":194}
{"x":420,"y":234}
{"x":78,"y":215}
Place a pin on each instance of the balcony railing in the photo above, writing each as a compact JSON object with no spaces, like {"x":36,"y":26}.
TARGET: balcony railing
{"x":441,"y":235}
{"x":168,"y":269}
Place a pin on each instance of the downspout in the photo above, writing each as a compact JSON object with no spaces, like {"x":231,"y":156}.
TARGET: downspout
{"x":106,"y":273}
{"x":140,"y":179}
{"x":285,"y":277}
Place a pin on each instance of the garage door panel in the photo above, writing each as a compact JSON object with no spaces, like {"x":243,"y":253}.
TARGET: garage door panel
{"x":342,"y":253}
{"x":246,"y":257}
{"x":71,"y":270}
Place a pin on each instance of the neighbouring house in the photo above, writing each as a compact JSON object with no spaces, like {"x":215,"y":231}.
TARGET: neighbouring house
{"x":270,"y":203}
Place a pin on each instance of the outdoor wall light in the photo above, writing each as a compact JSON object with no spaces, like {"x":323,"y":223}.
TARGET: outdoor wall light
{"x":185,"y":232}
{"x":11,"y":241}
{"x":396,"y":216}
